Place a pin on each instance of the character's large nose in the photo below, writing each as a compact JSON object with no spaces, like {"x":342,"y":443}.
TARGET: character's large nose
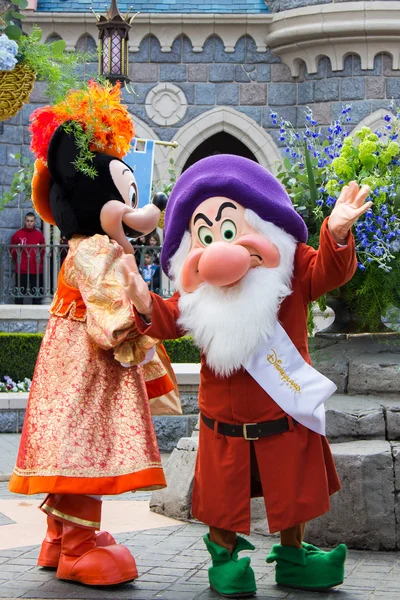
{"x":223,"y":264}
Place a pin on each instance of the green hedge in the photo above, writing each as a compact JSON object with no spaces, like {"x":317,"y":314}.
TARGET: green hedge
{"x":18,"y":353}
{"x":182,"y":351}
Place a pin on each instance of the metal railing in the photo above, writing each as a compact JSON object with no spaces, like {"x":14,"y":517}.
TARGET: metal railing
{"x":30,"y":272}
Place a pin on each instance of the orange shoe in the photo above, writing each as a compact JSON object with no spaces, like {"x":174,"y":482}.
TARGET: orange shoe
{"x":81,"y":560}
{"x":51,"y":546}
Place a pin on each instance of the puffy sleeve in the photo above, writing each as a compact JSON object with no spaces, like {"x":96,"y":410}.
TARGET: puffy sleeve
{"x":110,"y":318}
{"x":327,"y":268}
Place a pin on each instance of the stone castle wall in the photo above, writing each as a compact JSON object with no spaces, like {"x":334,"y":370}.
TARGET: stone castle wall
{"x":248,"y":82}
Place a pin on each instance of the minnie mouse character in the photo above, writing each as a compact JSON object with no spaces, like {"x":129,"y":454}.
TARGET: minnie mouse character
{"x":88,"y":428}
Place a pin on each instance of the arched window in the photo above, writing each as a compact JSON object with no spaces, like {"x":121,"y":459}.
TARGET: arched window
{"x":86,"y":44}
{"x":219,"y":143}
{"x":53,"y":37}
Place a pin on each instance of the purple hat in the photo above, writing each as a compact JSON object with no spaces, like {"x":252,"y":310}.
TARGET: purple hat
{"x":234,"y":177}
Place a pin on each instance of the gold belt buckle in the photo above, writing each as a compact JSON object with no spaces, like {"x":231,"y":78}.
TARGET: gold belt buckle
{"x":249,"y":439}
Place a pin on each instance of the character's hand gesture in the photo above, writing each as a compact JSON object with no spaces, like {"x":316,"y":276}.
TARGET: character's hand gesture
{"x":348,"y":208}
{"x":135,"y":287}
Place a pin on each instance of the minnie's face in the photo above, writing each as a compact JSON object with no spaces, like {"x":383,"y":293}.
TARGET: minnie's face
{"x":124,"y":180}
{"x":119,"y":219}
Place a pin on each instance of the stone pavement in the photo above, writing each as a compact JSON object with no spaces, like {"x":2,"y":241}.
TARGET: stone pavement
{"x":172,"y":560}
{"x":9,"y":443}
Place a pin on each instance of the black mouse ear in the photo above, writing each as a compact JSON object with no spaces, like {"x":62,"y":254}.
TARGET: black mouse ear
{"x":61,"y":156}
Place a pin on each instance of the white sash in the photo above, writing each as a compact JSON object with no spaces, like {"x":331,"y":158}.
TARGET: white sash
{"x":298,"y":388}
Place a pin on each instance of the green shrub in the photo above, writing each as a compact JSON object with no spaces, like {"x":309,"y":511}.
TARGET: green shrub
{"x":182,"y":350}
{"x":18,"y":354}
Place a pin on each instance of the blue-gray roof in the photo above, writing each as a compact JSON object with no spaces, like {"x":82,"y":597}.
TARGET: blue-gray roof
{"x":169,"y":6}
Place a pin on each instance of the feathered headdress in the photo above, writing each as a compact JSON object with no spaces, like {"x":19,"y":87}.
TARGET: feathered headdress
{"x":100,"y":123}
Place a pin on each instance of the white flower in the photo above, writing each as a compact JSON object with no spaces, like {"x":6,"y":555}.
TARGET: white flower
{"x":12,"y":386}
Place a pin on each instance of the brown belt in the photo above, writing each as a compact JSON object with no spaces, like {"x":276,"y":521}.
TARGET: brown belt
{"x":250,"y":431}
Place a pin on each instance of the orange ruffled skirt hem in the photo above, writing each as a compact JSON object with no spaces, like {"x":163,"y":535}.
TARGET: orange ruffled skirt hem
{"x":149,"y":479}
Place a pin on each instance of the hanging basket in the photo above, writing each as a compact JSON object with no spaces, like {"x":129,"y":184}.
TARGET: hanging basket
{"x":15,"y":89}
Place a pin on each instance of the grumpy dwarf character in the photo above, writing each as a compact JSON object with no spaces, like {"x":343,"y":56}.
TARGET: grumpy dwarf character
{"x":235,"y":249}
{"x":88,"y":428}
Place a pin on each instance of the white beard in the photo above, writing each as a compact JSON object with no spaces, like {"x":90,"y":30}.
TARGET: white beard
{"x":228,"y":324}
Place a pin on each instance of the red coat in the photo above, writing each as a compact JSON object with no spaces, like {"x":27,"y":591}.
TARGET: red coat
{"x":296,"y":468}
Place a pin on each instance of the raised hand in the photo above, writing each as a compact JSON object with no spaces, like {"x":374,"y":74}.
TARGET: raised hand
{"x":348,"y":208}
{"x":135,"y":287}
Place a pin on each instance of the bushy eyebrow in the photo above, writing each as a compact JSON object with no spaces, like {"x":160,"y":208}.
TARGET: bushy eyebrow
{"x":201,"y":216}
{"x":221,"y":208}
{"x":219,"y":214}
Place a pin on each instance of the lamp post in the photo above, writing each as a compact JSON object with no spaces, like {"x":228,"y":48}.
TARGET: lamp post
{"x":114,"y":49}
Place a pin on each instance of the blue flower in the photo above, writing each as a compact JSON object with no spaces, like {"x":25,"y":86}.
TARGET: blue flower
{"x":7,"y":60}
{"x":8,"y":45}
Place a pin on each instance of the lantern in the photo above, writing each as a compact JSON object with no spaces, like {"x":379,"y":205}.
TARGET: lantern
{"x":114,"y":50}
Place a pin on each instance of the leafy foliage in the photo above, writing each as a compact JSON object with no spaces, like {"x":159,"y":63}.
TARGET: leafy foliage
{"x":168,"y":179}
{"x":316,"y":167}
{"x":51,"y":63}
{"x":21,"y":183}
{"x":83,"y":138}
{"x":10,"y":18}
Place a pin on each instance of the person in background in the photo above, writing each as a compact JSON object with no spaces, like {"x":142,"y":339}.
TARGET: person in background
{"x":137,"y":245}
{"x":151,"y":272}
{"x":153,"y":240}
{"x":28,"y":261}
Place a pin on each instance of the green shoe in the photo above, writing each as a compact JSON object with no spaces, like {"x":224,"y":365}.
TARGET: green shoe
{"x":229,"y":576}
{"x":312,"y":548}
{"x":307,"y":569}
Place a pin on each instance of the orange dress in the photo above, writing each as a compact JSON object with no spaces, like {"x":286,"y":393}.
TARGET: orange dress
{"x":296,"y":468}
{"x":88,"y":427}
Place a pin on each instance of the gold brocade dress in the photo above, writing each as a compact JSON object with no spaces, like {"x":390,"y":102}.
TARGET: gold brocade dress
{"x":88,"y":427}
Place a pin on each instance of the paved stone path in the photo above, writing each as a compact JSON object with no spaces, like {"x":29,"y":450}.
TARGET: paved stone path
{"x":172,"y":563}
{"x":9,"y":443}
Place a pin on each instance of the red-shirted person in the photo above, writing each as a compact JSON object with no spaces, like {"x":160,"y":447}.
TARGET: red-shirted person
{"x":28,"y":261}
